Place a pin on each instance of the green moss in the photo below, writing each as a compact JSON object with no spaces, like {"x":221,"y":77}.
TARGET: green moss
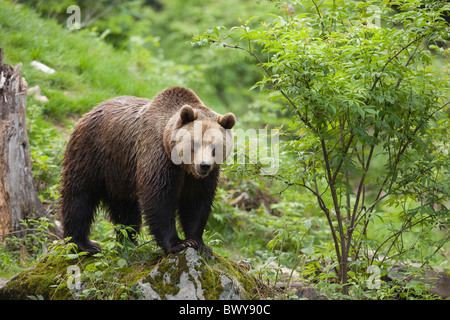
{"x":39,"y":280}
{"x":211,"y":284}
{"x":251,"y":287}
{"x":167,"y":273}
{"x":106,"y":276}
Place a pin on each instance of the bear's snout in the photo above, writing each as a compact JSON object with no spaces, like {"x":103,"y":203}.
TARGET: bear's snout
{"x":203,"y":169}
{"x":205,"y":166}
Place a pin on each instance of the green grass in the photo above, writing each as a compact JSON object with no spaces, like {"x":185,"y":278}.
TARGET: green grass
{"x":88,"y":70}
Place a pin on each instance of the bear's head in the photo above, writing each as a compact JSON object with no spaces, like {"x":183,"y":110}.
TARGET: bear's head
{"x":200,"y":139}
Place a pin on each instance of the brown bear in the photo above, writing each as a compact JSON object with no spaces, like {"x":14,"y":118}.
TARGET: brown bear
{"x":135,"y":156}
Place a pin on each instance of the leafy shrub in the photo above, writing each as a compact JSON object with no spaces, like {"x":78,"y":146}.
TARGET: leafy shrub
{"x":368,"y":138}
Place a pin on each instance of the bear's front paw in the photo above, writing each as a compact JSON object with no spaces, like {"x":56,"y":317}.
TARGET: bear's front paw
{"x":90,"y":247}
{"x":189,"y":243}
{"x":183,"y":245}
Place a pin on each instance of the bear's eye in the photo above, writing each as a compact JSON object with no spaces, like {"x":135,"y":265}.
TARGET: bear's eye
{"x":213,"y":150}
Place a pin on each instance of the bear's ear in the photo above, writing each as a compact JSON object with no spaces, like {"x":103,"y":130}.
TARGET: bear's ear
{"x":227,"y":121}
{"x":187,"y":114}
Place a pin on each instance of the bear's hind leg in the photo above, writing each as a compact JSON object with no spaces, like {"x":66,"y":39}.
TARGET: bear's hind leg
{"x":77,"y":216}
{"x":128,"y":214}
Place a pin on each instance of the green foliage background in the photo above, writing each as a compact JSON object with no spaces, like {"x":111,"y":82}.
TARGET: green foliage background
{"x":140,"y":47}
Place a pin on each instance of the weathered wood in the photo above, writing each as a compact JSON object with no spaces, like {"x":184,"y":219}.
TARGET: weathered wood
{"x":18,"y":197}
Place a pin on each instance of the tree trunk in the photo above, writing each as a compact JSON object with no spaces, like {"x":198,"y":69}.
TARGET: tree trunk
{"x":18,"y":197}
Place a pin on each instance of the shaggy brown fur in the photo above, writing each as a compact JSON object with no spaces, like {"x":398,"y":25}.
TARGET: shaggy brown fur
{"x":120,"y":154}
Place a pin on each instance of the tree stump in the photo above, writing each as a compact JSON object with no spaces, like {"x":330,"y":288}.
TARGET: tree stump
{"x":18,"y":197}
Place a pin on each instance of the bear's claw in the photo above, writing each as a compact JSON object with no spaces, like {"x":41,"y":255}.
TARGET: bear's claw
{"x":91,"y":247}
{"x":189,"y":243}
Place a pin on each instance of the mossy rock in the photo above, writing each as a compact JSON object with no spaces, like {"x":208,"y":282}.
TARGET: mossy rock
{"x":142,"y":273}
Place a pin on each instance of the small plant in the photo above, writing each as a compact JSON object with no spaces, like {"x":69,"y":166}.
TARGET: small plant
{"x":37,"y":238}
{"x":21,"y":250}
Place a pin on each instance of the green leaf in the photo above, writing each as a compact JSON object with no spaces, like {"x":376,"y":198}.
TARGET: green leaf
{"x":122,"y":263}
{"x":71,"y":256}
{"x":309,"y":250}
{"x":307,"y":224}
{"x":361,"y":112}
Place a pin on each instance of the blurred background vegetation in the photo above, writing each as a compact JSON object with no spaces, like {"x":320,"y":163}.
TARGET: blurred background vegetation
{"x":140,"y":47}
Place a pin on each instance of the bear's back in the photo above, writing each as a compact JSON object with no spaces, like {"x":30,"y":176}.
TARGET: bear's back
{"x":103,"y":140}
{"x":169,"y":101}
